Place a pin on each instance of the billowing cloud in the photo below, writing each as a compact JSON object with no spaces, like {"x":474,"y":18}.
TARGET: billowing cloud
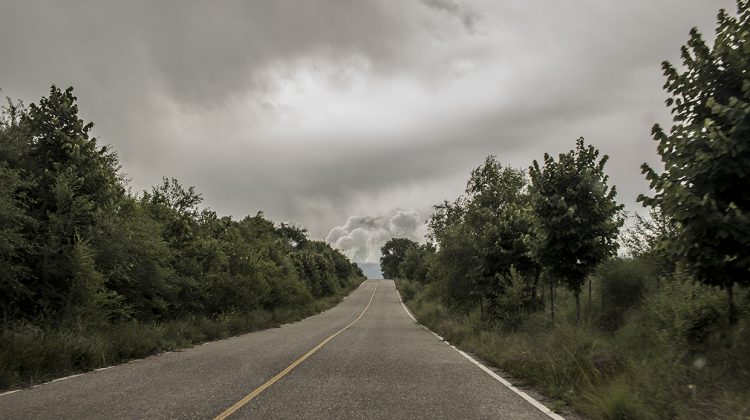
{"x":361,"y":237}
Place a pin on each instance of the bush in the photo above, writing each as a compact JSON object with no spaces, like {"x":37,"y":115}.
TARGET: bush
{"x":622,"y":285}
{"x":408,"y":289}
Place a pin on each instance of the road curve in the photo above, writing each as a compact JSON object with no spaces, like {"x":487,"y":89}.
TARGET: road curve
{"x":384,"y":365}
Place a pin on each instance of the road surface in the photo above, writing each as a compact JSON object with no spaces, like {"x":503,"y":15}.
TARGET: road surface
{"x":364,"y":358}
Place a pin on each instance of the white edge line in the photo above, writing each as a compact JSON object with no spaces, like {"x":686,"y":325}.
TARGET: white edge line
{"x":314,"y":315}
{"x":9,"y":392}
{"x":541,"y":407}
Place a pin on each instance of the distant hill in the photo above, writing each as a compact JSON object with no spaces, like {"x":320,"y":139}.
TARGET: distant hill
{"x":371,"y":270}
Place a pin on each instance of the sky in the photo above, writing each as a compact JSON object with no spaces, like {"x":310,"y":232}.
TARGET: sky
{"x":352,"y":118}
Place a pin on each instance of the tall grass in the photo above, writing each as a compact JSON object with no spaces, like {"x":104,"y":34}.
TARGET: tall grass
{"x":670,"y":356}
{"x":31,"y":354}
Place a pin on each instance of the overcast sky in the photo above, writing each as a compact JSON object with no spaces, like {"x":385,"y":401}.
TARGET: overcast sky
{"x":351,"y":117}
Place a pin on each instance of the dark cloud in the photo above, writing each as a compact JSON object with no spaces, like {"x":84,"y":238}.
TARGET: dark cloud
{"x":468,"y":16}
{"x":317,"y":110}
{"x":361,"y":237}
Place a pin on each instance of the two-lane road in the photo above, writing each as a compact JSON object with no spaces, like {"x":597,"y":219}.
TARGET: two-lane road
{"x":364,"y":358}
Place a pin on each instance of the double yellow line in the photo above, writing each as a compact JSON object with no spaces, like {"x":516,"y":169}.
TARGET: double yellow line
{"x":228,"y":412}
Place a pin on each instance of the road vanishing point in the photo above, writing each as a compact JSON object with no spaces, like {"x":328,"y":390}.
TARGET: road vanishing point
{"x":364,"y":358}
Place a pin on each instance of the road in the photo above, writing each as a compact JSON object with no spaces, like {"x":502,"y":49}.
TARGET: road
{"x":382,"y":365}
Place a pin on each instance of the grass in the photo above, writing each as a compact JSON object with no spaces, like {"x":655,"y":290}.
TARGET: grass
{"x":671,"y":356}
{"x":30,"y":354}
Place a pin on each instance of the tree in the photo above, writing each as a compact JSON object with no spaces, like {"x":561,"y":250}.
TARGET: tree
{"x":576,"y":216}
{"x":89,"y":302}
{"x":13,"y":246}
{"x":706,"y":155}
{"x":482,"y":235}
{"x":498,"y":218}
{"x":294,"y":236}
{"x":73,"y":181}
{"x":394,"y":252}
{"x":417,"y":263}
{"x":61,"y":146}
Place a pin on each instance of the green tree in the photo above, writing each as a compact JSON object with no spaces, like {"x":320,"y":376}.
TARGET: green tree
{"x":482,"y":235}
{"x":135,"y":259}
{"x":14,"y":219}
{"x":89,"y":303}
{"x":294,"y":236}
{"x":393,"y":253}
{"x":499,"y":220}
{"x":706,"y":155}
{"x":61,"y":146}
{"x":418,"y":263}
{"x":72,"y":182}
{"x":14,"y":247}
{"x":576,"y":216}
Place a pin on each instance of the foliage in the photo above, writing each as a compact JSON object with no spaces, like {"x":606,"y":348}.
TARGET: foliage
{"x":623,"y":284}
{"x":418,"y":263}
{"x":481,"y":235}
{"x":80,"y":255}
{"x":706,"y":155}
{"x":575,"y":213}
{"x":393,"y":253}
{"x":672,"y":355}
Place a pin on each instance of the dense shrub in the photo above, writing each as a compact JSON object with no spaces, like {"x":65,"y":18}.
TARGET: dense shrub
{"x":622,"y":285}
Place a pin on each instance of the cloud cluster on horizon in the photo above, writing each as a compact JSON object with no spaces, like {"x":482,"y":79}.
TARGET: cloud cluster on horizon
{"x":361,"y":237}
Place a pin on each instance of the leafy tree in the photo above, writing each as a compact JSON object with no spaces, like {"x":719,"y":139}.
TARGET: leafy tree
{"x":483,"y":234}
{"x":14,"y":247}
{"x":498,"y":218}
{"x":77,"y":251}
{"x":706,"y":155}
{"x":576,"y":216}
{"x":294,"y":236}
{"x":60,"y":146}
{"x":71,"y":181}
{"x":393,"y":253}
{"x":418,"y":263}
{"x":135,"y":259}
{"x":89,"y":303}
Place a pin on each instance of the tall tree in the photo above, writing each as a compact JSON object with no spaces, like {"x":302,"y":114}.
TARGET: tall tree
{"x":482,"y":235}
{"x":74,"y":181}
{"x":576,"y":216}
{"x":706,"y":155}
{"x":393,"y":253}
{"x":498,"y":217}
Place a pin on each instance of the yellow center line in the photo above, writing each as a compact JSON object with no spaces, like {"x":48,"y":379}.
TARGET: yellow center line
{"x":228,"y":412}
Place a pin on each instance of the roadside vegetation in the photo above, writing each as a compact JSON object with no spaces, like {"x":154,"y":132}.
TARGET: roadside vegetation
{"x":537,"y":272}
{"x":92,"y":274}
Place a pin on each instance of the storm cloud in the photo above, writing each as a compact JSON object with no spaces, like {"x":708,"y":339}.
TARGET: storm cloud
{"x":314,"y":111}
{"x":361,"y":237}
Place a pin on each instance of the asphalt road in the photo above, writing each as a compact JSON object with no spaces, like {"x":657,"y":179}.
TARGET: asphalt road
{"x":384,"y":365}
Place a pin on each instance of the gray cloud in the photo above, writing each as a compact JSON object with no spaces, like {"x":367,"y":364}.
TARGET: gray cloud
{"x":361,"y":237}
{"x":317,"y":110}
{"x":468,"y":16}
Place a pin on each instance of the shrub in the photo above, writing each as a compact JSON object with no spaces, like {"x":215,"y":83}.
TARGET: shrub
{"x":622,"y":284}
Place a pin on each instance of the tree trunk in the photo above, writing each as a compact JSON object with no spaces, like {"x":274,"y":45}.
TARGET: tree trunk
{"x":578,"y":306}
{"x":481,"y":308}
{"x":552,"y":300}
{"x":590,"y":293}
{"x":730,"y":301}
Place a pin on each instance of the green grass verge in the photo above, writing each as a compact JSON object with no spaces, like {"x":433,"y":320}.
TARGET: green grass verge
{"x":649,"y":368}
{"x":31,"y":354}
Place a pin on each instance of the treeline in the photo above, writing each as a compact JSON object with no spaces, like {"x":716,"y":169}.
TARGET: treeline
{"x":80,"y":253}
{"x":524,"y":268}
{"x":514,"y":232}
